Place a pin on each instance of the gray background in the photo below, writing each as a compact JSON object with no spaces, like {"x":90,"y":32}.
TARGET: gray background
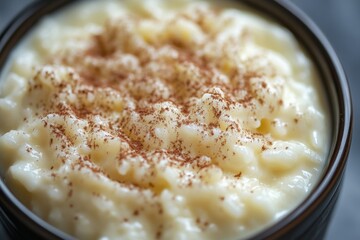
{"x":340,"y":21}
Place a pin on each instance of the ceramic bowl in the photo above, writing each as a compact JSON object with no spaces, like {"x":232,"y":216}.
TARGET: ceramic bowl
{"x":307,"y":221}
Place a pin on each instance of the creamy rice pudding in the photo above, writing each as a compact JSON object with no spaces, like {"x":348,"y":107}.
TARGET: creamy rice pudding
{"x":145,"y":119}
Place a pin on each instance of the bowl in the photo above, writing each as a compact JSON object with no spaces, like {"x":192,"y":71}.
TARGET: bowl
{"x":310,"y":219}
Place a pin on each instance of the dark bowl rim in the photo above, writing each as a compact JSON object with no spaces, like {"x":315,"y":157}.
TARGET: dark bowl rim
{"x":338,"y":155}
{"x":341,"y":146}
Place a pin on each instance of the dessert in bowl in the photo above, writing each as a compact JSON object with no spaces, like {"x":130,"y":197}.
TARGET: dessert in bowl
{"x":171,"y":120}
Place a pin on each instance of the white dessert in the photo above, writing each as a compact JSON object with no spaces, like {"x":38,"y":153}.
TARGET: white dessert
{"x":151,"y":120}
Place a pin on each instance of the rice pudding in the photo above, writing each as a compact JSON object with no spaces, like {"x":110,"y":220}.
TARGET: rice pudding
{"x":159,"y":120}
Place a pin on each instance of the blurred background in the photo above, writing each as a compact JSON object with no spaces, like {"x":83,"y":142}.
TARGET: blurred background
{"x":339,"y":21}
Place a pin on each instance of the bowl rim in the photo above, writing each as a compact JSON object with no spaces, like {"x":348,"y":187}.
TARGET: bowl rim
{"x":19,"y":26}
{"x":329,"y":183}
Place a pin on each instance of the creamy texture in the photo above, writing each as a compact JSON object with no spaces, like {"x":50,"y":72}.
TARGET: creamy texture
{"x":141,"y":119}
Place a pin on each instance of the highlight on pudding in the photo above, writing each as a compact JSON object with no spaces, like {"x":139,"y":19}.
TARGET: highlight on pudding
{"x":161,"y":120}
